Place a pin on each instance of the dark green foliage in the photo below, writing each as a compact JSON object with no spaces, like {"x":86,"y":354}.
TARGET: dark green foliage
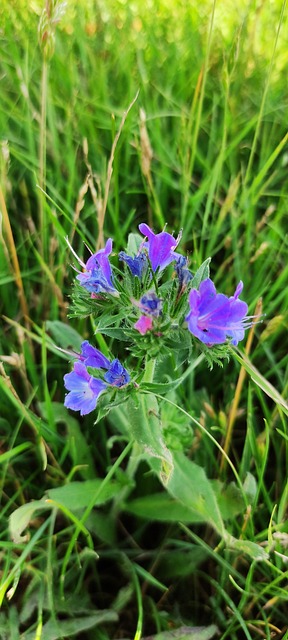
{"x":141,"y":560}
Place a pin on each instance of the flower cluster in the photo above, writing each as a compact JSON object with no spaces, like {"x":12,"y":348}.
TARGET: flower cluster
{"x":84,"y":388}
{"x":155,"y":295}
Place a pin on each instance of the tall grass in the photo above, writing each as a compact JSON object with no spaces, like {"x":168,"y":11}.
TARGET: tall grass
{"x":212,"y":94}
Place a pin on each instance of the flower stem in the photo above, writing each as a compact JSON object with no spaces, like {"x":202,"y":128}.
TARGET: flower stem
{"x":149,"y":370}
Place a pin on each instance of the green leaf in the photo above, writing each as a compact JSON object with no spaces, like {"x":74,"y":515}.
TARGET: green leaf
{"x":134,"y":242}
{"x":250,"y":487}
{"x":189,"y":485}
{"x":56,"y":629}
{"x":202,"y":273}
{"x":144,"y":425}
{"x":73,"y":496}
{"x":64,"y":335}
{"x":117,"y":334}
{"x":161,"y":507}
{"x":21,"y":517}
{"x":187,"y":633}
{"x":252,"y":549}
{"x":230,"y":499}
{"x":78,"y":495}
{"x":161,"y":387}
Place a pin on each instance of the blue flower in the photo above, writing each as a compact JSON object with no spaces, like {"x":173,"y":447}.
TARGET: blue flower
{"x":136,"y":264}
{"x":183,"y":274}
{"x":214,"y":317}
{"x":92,"y":357}
{"x":97,"y":276}
{"x":84,"y":389}
{"x":117,"y":375}
{"x":150,"y":304}
{"x":151,"y":307}
{"x":160,"y":247}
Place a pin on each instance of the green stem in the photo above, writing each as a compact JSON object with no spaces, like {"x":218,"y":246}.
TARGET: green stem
{"x":137,"y":448}
{"x":149,"y":370}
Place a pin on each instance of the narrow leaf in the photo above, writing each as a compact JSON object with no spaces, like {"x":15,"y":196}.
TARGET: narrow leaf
{"x":58,"y":629}
{"x":78,"y":495}
{"x":202,"y":273}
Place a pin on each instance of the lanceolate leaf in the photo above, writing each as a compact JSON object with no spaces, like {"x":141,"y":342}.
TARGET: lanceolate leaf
{"x":70,"y":497}
{"x":202,"y":273}
{"x":58,"y":629}
{"x":144,"y":425}
{"x":193,"y":491}
{"x":77,"y":495}
{"x":187,"y":633}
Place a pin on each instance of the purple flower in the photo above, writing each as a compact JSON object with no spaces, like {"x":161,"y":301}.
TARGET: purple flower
{"x":183,"y":274}
{"x":143,"y":325}
{"x":137,"y":264}
{"x":92,"y":357}
{"x":117,"y":375}
{"x":160,"y":247}
{"x":97,"y":276}
{"x":151,"y":307}
{"x":150,"y":304}
{"x":84,"y":389}
{"x":214,"y":317}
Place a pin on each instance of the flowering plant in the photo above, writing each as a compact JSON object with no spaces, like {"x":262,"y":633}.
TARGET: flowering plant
{"x":159,"y":313}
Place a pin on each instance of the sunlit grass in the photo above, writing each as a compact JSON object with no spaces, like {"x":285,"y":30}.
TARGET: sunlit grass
{"x":213,"y":91}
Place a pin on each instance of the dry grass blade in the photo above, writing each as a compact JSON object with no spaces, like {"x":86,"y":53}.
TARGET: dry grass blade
{"x":101,"y":215}
{"x":14,"y":258}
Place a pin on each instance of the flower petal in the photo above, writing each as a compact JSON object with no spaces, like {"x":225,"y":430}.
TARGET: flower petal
{"x":214,"y":317}
{"x":84,"y":389}
{"x":117,"y":375}
{"x":93,"y":357}
{"x":144,"y":324}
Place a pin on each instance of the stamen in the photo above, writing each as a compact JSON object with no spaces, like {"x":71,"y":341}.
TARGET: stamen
{"x":75,"y":254}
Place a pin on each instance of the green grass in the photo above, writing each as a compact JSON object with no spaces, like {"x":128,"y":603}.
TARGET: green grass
{"x":212,"y":83}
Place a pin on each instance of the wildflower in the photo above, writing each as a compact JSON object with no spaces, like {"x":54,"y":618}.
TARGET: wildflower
{"x":144,"y":324}
{"x":136,"y":264}
{"x":151,"y":307}
{"x":84,"y":389}
{"x":183,"y":274}
{"x":92,"y":357}
{"x":97,"y":275}
{"x":117,"y":375}
{"x":213,"y":317}
{"x":150,"y":304}
{"x":160,"y":247}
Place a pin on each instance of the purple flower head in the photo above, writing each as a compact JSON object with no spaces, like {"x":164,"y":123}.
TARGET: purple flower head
{"x":144,"y":324}
{"x":214,"y":317}
{"x":150,"y":304}
{"x":92,"y":357}
{"x":97,"y":276}
{"x":160,"y":247}
{"x":84,"y":389}
{"x":137,"y":264}
{"x":183,"y":274}
{"x":117,"y":375}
